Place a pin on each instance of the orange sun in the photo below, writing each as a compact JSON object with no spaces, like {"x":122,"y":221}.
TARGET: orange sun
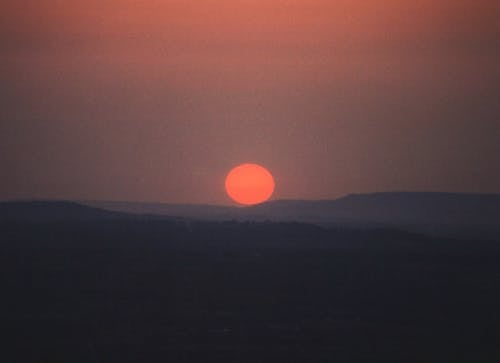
{"x":249,"y":184}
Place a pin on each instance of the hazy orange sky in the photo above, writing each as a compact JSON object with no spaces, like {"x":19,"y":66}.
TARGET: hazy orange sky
{"x":156,"y":100}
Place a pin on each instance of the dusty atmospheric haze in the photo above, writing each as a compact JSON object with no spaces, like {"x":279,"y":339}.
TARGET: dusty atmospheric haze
{"x":157,"y":100}
{"x":126,"y":126}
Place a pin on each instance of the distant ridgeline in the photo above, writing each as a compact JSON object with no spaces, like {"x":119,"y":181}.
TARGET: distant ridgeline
{"x":40,"y":211}
{"x":440,"y":214}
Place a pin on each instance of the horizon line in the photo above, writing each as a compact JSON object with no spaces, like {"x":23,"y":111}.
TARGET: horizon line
{"x":233,"y":205}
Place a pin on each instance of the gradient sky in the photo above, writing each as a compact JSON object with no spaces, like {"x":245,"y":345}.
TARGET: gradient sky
{"x":156,"y":100}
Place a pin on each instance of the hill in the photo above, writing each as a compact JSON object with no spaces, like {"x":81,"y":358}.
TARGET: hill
{"x":84,"y":285}
{"x":39,"y":211}
{"x":443,"y":214}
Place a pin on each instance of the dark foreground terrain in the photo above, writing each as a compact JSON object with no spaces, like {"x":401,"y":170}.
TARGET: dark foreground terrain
{"x":119,"y":289}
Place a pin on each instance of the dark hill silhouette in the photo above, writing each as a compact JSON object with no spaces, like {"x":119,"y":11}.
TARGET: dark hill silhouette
{"x":391,"y":207}
{"x":80,"y":284}
{"x":436,"y":213}
{"x":196,"y":211}
{"x":32,"y":211}
{"x":447,"y":214}
{"x":441,"y":214}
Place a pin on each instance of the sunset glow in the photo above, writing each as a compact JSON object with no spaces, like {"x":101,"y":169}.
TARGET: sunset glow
{"x":153,"y":99}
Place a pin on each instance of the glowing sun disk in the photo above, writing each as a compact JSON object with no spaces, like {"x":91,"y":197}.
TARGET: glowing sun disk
{"x":249,"y":184}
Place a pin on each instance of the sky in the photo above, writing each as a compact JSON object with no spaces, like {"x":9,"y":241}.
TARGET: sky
{"x":156,"y":100}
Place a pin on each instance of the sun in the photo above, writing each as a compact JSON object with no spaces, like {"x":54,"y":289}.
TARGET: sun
{"x":249,"y":184}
